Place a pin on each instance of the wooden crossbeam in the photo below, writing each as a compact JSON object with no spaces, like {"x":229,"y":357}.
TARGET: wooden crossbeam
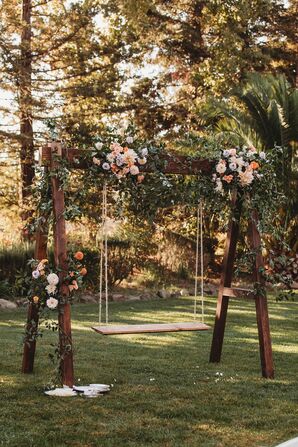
{"x":171,"y":163}
{"x":239,"y":293}
{"x":147,"y":328}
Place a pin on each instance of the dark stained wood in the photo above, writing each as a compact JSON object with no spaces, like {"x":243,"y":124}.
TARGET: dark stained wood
{"x":147,"y":328}
{"x":226,"y":280}
{"x":60,"y":251}
{"x":238,"y":293}
{"x":33,"y":309}
{"x":173,"y":163}
{"x":30,"y":341}
{"x":261,"y":303}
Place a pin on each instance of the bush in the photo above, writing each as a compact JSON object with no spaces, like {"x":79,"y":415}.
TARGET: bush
{"x":123,"y":258}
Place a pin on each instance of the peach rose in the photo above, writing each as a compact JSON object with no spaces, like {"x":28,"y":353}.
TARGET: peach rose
{"x":227,"y":178}
{"x":254,"y":165}
{"x":83,"y":271}
{"x":79,"y":255}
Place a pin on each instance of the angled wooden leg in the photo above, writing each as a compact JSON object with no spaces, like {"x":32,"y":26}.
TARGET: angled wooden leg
{"x":33,"y":309}
{"x":261,"y":303}
{"x":60,"y":249}
{"x":226,"y":280}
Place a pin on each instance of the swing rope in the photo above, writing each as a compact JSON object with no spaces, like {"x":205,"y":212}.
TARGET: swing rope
{"x":103,"y":266}
{"x":103,"y":270}
{"x":199,"y":248}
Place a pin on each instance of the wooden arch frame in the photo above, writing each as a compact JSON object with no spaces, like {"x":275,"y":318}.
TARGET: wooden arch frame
{"x":174,"y":165}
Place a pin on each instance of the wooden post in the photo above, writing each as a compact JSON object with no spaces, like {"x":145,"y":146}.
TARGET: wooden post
{"x":226,"y":280}
{"x":41,"y":241}
{"x":60,"y":250}
{"x":261,"y":302}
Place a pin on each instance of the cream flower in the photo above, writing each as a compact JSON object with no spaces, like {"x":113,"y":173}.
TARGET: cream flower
{"x":106,"y":166}
{"x":233,"y":152}
{"x":110,"y":158}
{"x":96,"y":161}
{"x":144,"y":152}
{"x":98,"y":145}
{"x":134,"y":170}
{"x":246,"y":177}
{"x":142,"y":161}
{"x":219,"y":186}
{"x":52,"y":278}
{"x":226,"y":153}
{"x":130,"y":156}
{"x":51,"y":289}
{"x":52,"y":303}
{"x":262,"y":155}
{"x":240,"y":162}
{"x":233,"y":166}
{"x":221,"y":167}
{"x":129,"y":140}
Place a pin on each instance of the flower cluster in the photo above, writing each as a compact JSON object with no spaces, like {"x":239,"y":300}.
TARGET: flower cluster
{"x":122,"y":160}
{"x":238,"y":167}
{"x":44,"y":290}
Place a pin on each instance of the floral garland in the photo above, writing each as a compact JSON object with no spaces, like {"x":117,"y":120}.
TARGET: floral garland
{"x":44,"y":290}
{"x":120,"y":159}
{"x":238,"y":167}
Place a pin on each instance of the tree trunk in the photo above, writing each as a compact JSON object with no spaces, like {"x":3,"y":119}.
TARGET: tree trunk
{"x":25,"y":103}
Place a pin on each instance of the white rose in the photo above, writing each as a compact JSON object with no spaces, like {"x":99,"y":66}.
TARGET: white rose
{"x":221,"y":167}
{"x":233,"y":166}
{"x":53,"y":279}
{"x":262,"y":155}
{"x":99,"y":145}
{"x":129,"y":140}
{"x":142,"y":161}
{"x":106,"y":166}
{"x":52,"y":303}
{"x":110,"y":158}
{"x":134,"y":170}
{"x":218,"y":187}
{"x":144,"y":152}
{"x":239,"y":161}
{"x":226,"y":153}
{"x":232,"y":152}
{"x":51,"y":289}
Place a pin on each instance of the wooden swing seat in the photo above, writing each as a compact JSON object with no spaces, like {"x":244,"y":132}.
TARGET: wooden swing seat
{"x":144,"y":328}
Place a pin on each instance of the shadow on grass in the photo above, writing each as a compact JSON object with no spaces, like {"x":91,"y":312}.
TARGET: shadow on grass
{"x":165,"y":393}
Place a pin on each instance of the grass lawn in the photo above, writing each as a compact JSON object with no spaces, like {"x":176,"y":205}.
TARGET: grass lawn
{"x":165,"y":393}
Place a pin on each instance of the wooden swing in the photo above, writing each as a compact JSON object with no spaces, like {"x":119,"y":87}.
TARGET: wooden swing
{"x":152,"y":327}
{"x":174,"y":164}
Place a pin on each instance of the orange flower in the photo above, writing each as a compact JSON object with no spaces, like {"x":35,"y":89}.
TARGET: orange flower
{"x":228,"y":178}
{"x":42,"y":272}
{"x":35,"y":299}
{"x":83,"y":271}
{"x":44,"y":261}
{"x":140,"y":178}
{"x":79,"y":255}
{"x":254,"y":165}
{"x":125,"y":149}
